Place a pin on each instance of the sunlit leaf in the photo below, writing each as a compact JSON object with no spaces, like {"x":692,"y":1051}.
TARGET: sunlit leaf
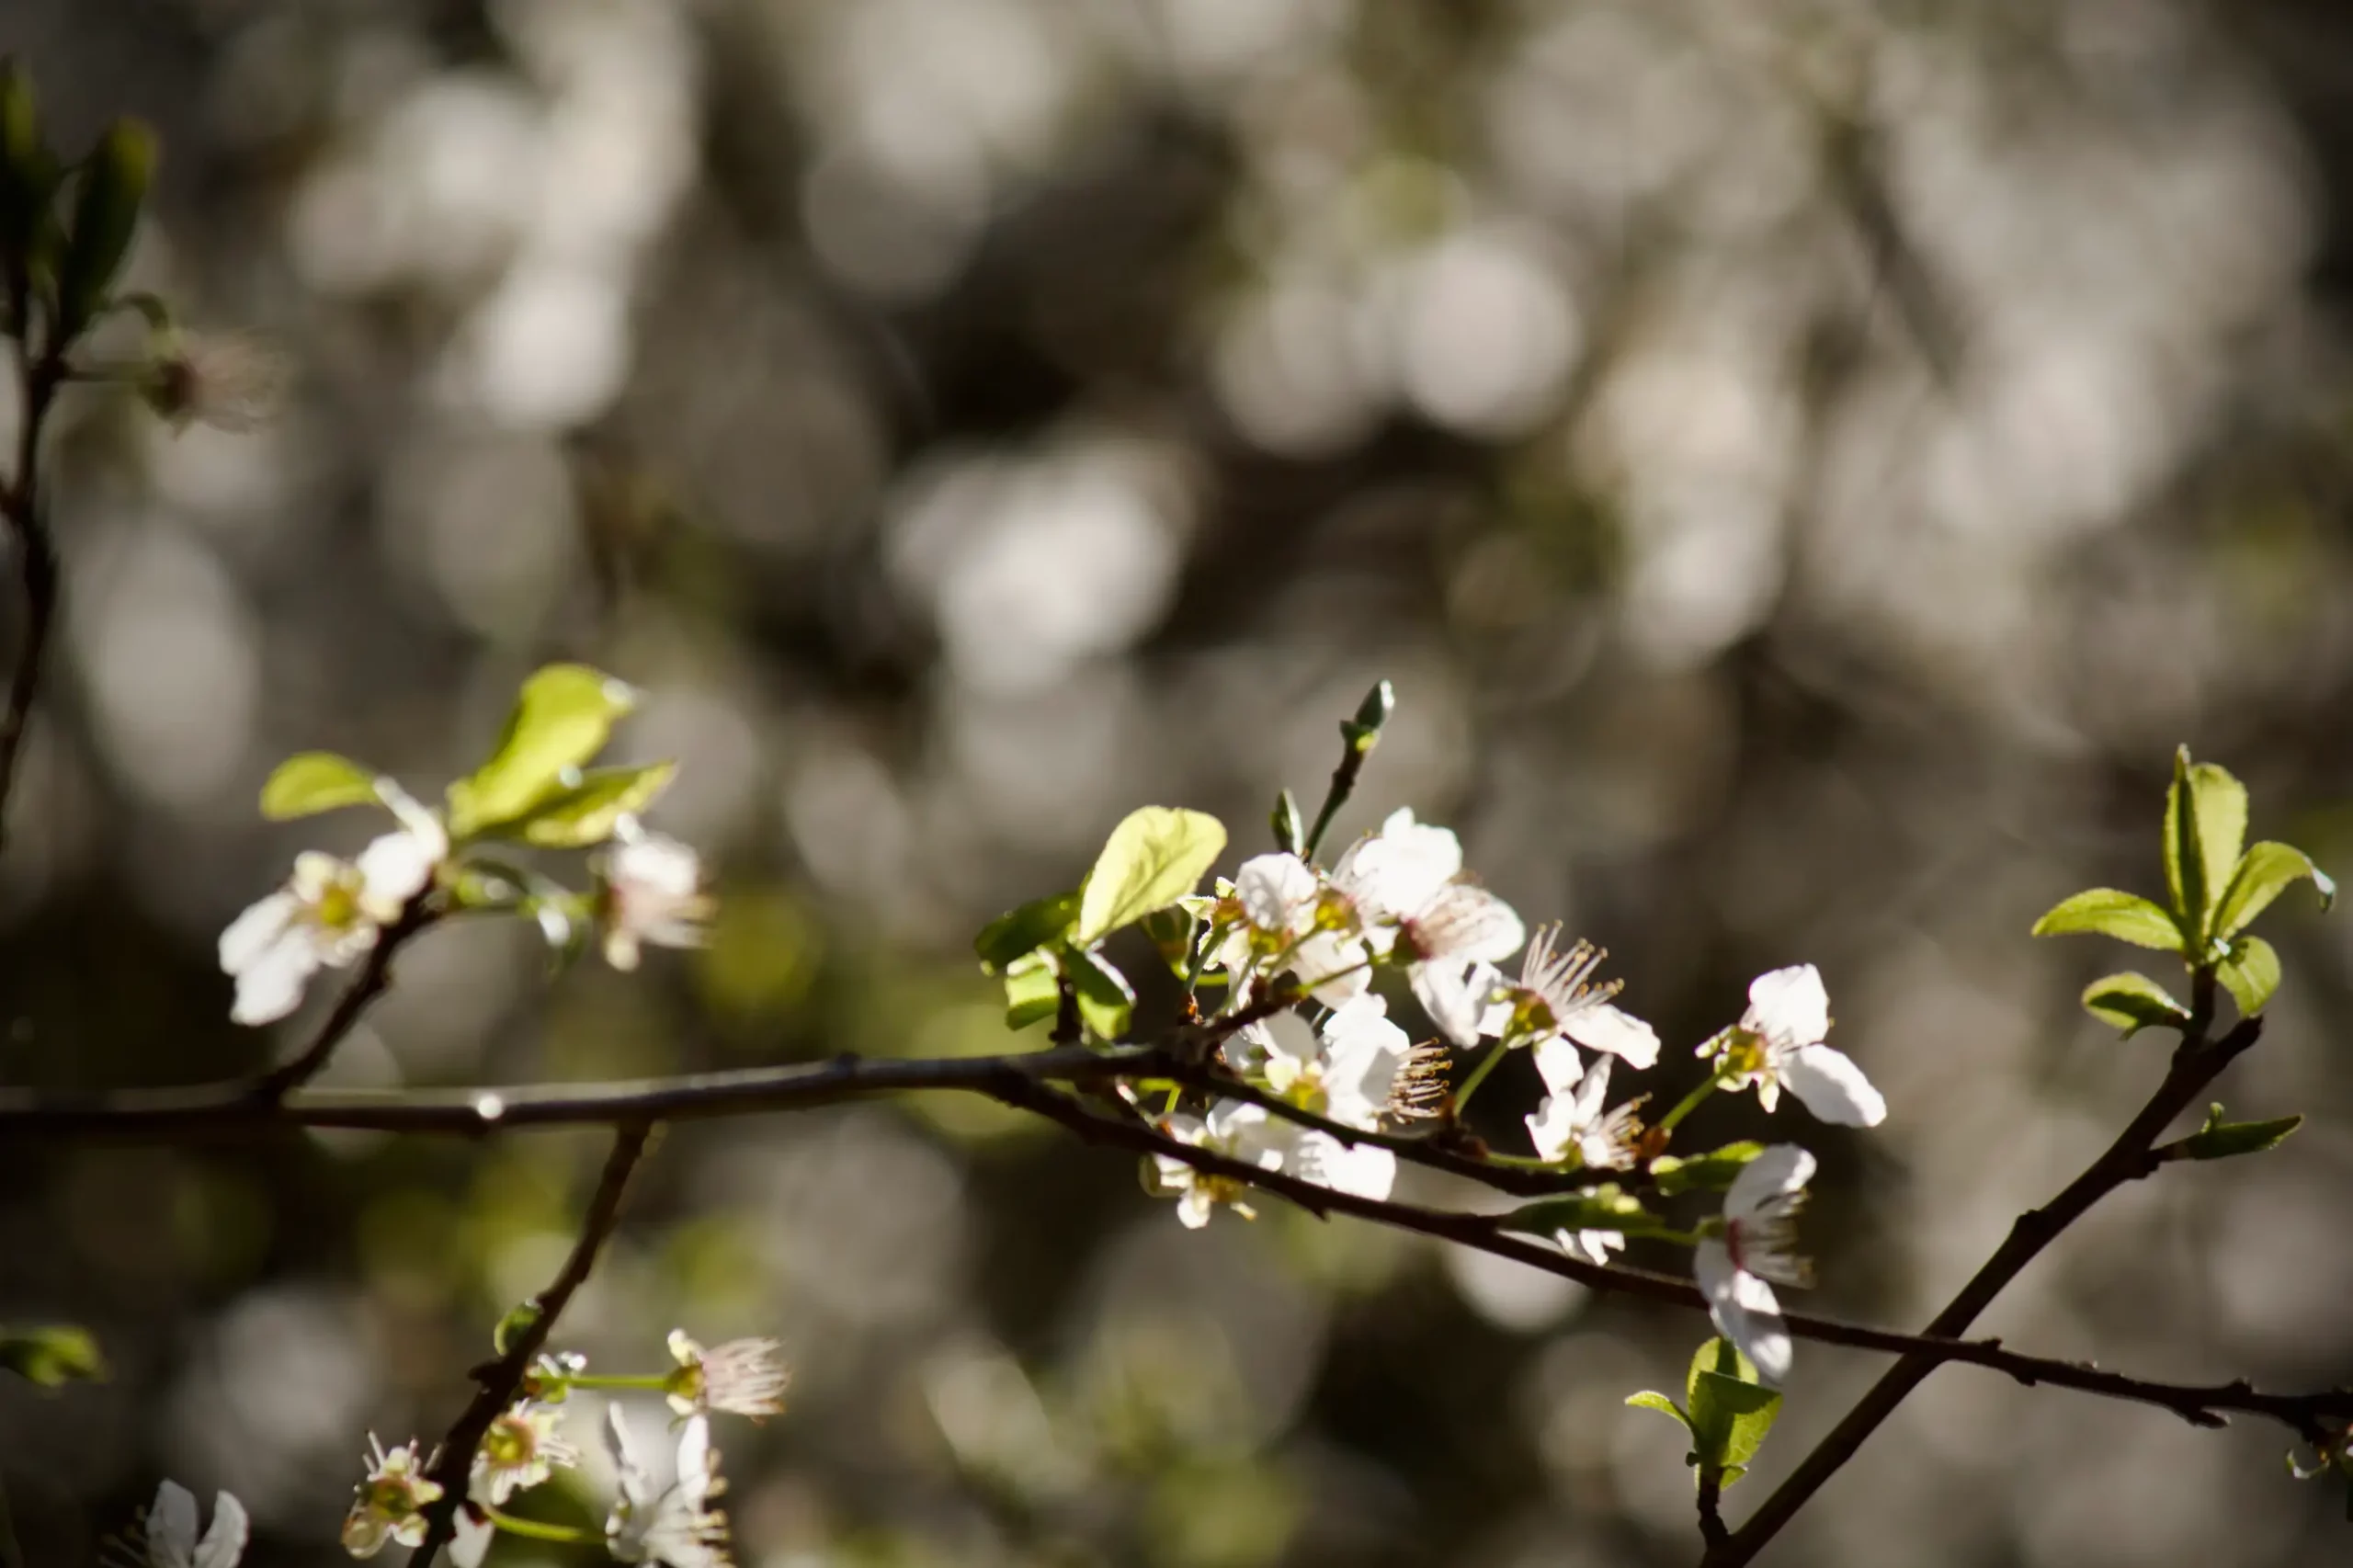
{"x":584,"y":813}
{"x":562,"y":719}
{"x":1171,"y":932}
{"x":2266,"y":871}
{"x":1032,"y":990}
{"x":2109,"y":911}
{"x":1151,"y":861}
{"x":1105,"y":1000}
{"x":52,"y":1356}
{"x":2250,"y":973}
{"x":1650,"y":1399}
{"x":1026,"y":929}
{"x":518,"y":1321}
{"x":2220,"y":1140}
{"x":2132,"y":1003}
{"x":1731,"y":1410}
{"x":2205,"y":826}
{"x":315,"y":781}
{"x":1703,"y":1172}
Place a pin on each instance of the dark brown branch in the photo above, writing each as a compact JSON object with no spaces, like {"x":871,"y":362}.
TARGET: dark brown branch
{"x":502,"y":1380}
{"x":25,"y":511}
{"x":2196,"y":1063}
{"x":1711,"y":1515}
{"x":375,"y":975}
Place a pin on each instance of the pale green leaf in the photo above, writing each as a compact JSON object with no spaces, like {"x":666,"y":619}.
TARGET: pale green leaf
{"x":1105,"y":1000}
{"x":2205,"y":828}
{"x":53,"y":1356}
{"x":1151,"y":861}
{"x":1032,"y":990}
{"x":315,"y":781}
{"x":2250,"y":973}
{"x":2132,"y":1003}
{"x":2266,"y":871}
{"x":1650,"y":1399}
{"x":1731,"y":1410}
{"x":560,"y":720}
{"x":2220,"y":1140}
{"x":1702,"y":1172}
{"x":2109,"y":911}
{"x":1026,"y":929}
{"x":586,"y":813}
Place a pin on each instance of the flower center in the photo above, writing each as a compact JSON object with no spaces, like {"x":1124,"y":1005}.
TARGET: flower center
{"x":1744,"y":1051}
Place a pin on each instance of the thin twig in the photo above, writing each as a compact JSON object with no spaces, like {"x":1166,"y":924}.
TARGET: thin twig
{"x":502,"y":1380}
{"x":375,"y":975}
{"x":22,"y":502}
{"x":2196,"y":1063}
{"x":1711,"y":1515}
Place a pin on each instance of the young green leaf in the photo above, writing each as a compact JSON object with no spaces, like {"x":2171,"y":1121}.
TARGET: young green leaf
{"x":1731,"y":1410}
{"x":1650,"y":1399}
{"x":560,"y":720}
{"x":1024,"y":930}
{"x":1152,"y":859}
{"x":2220,"y":1140}
{"x":2132,"y":1002}
{"x":1105,"y":1000}
{"x":2205,"y":826}
{"x":113,"y":186}
{"x":1702,"y":1172}
{"x":1032,"y":989}
{"x":2265,"y":871}
{"x":519,"y":1318}
{"x":578,"y":815}
{"x":2250,"y":973}
{"x":2109,"y":912}
{"x":315,"y":781}
{"x":50,"y":1357}
{"x":1289,"y":827}
{"x":1171,"y":931}
{"x":1606,"y":1208}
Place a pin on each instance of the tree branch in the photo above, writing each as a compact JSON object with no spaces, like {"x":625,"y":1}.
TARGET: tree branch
{"x":502,"y":1380}
{"x":22,"y":504}
{"x":2196,"y":1063}
{"x":375,"y":975}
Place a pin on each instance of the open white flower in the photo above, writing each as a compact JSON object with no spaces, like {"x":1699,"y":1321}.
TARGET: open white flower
{"x":1347,"y":1070}
{"x":171,"y":1534}
{"x":391,"y":1502}
{"x":1573,"y":1121}
{"x":1281,"y":904}
{"x":520,"y":1451}
{"x":1757,"y":1246}
{"x":1556,"y":998}
{"x":1778,"y":1041}
{"x":650,"y":889}
{"x":1359,"y":1169}
{"x":1238,"y":1130}
{"x":1405,"y":885}
{"x":742,"y":1377}
{"x":675,"y":1524}
{"x":328,"y":913}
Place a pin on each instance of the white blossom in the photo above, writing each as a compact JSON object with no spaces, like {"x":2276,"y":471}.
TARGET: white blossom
{"x":1778,"y":1041}
{"x":171,"y":1530}
{"x":675,"y":1524}
{"x":392,"y":1501}
{"x":1557,"y":999}
{"x":520,"y":1451}
{"x":1405,"y":886}
{"x":1757,"y":1246}
{"x":1346,"y":1072}
{"x":1238,"y":1130}
{"x":650,"y":891}
{"x":742,"y":1377}
{"x":328,"y":914}
{"x":1284,"y":924}
{"x":1573,"y":1121}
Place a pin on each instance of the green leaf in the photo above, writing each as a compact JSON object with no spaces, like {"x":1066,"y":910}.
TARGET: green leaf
{"x":1605,"y":1207}
{"x":1105,"y":1000}
{"x":1731,"y":1410}
{"x":2107,"y":912}
{"x":2250,"y":973}
{"x":1290,"y":828}
{"x":2205,"y":826}
{"x":106,"y":215}
{"x":560,"y":720}
{"x":1151,"y":861}
{"x":518,"y":1321}
{"x":586,"y":813}
{"x":1702,"y":1172}
{"x":2220,"y":1140}
{"x":1032,"y":989}
{"x":1024,"y":930}
{"x":2132,"y":1003}
{"x":1650,"y":1399}
{"x":1171,"y":930}
{"x":315,"y":781}
{"x":50,"y":1357}
{"x":2265,"y":872}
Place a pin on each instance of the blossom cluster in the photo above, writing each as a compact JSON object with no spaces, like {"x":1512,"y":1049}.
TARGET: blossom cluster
{"x":1296,"y":949}
{"x":675,"y":1523}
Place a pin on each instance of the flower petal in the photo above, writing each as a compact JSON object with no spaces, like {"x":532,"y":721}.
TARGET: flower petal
{"x":1780,"y":1170}
{"x":1554,"y":1126}
{"x":393,"y":869}
{"x":171,"y":1527}
{"x":1560,"y":1064}
{"x":270,"y":986}
{"x":1275,"y":890}
{"x":1745,"y":1310}
{"x":1832,"y":1088}
{"x":470,"y":1539}
{"x":1356,"y":1168}
{"x":1450,"y":992}
{"x":1466,"y":922}
{"x":1789,"y":1007}
{"x":224,"y":1543}
{"x":1600,"y":1026}
{"x":252,"y":933}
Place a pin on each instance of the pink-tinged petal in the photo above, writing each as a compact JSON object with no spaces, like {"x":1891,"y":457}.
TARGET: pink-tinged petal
{"x":271,"y":986}
{"x":1789,"y":1007}
{"x":1560,"y":1064}
{"x":1833,"y":1088}
{"x":1600,"y":1026}
{"x":253,"y":933}
{"x":1780,"y":1170}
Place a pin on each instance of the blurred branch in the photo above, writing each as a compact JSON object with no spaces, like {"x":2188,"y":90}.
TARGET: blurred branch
{"x":41,"y":372}
{"x":374,"y":976}
{"x":1711,"y":1516}
{"x":502,"y":1380}
{"x":2196,"y":1061}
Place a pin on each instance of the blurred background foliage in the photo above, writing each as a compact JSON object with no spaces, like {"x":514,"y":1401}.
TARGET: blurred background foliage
{"x":1803,"y":466}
